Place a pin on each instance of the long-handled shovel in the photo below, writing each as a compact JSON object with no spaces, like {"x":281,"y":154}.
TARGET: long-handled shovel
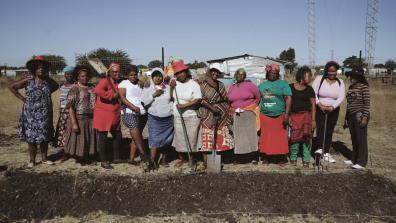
{"x":191,"y":162}
{"x":214,"y":160}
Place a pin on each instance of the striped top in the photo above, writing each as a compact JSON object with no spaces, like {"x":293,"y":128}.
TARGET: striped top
{"x":63,"y":91}
{"x":358,"y":99}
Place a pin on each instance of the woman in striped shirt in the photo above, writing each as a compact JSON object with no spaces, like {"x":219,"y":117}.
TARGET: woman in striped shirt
{"x":357,"y":116}
{"x":59,"y":140}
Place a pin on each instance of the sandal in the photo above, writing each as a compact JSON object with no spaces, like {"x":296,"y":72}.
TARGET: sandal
{"x":293,"y":162}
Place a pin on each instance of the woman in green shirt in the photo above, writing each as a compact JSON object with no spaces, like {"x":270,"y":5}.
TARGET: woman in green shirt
{"x":274,"y":116}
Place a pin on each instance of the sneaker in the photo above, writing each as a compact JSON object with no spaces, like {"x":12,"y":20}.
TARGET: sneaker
{"x":48,"y":162}
{"x":348,"y":162}
{"x":318,"y":151}
{"x":293,"y":162}
{"x":30,"y":165}
{"x":358,"y":167}
{"x":327,"y":157}
{"x":305,"y":164}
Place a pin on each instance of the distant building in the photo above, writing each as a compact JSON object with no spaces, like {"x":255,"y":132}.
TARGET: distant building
{"x":254,"y":65}
{"x":16,"y":72}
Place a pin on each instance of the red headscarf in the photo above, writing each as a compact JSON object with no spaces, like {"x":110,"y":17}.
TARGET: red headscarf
{"x":272,"y":67}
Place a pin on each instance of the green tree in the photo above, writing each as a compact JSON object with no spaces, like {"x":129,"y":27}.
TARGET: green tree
{"x":289,"y":55}
{"x":197,"y":65}
{"x":57,"y":63}
{"x":353,"y":61}
{"x":141,"y":66}
{"x":107,"y":57}
{"x":390,"y":65}
{"x":155,"y":63}
{"x":379,"y":65}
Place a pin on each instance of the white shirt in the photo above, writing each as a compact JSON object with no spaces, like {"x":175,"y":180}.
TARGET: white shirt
{"x":133,"y":95}
{"x":186,"y":92}
{"x":160,"y":106}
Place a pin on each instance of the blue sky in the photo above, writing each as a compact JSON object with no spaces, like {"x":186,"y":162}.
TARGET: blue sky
{"x":191,"y":30}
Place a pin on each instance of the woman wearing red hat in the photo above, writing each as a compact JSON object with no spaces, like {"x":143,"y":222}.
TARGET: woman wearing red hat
{"x":329,"y":92}
{"x":107,"y":114}
{"x":35,"y":123}
{"x":188,"y":96}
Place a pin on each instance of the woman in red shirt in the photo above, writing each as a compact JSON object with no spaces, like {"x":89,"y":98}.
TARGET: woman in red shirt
{"x":107,"y":115}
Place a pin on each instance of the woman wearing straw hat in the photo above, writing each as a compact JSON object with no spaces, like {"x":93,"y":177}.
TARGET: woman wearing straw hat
{"x":274,"y":118}
{"x":215,"y":114}
{"x":80,"y":139}
{"x":107,"y":114}
{"x":35,"y":123}
{"x":188,"y":96}
{"x":59,"y":140}
{"x":357,"y":116}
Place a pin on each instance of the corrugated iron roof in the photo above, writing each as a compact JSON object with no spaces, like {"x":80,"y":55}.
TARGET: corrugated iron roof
{"x":245,"y":55}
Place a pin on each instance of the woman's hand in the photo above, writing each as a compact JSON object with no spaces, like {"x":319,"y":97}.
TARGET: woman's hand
{"x":330,"y":108}
{"x":364,"y":122}
{"x":136,"y":109}
{"x":180,"y":107}
{"x":158,"y":93}
{"x":313,"y":125}
{"x":75,"y":128}
{"x":345,"y":125}
{"x":172,"y":83}
{"x":286,"y":122}
{"x":116,"y":96}
{"x":322,"y":107}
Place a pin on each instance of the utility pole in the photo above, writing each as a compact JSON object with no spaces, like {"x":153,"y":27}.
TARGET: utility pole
{"x":312,"y":33}
{"x":371,"y":32}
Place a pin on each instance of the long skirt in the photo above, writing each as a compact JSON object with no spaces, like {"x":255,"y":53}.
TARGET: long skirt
{"x":224,"y":140}
{"x":160,"y":130}
{"x":192,"y":124}
{"x":83,"y":143}
{"x":245,"y":132}
{"x":59,"y":140}
{"x":301,"y":126}
{"x":273,"y":138}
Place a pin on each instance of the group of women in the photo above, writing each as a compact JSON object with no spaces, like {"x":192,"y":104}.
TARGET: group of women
{"x":198,"y":117}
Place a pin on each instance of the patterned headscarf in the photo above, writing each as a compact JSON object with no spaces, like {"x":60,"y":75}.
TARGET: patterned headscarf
{"x":271,"y":67}
{"x":113,"y":64}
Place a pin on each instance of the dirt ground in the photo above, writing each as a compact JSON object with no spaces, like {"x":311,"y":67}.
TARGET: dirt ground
{"x":247,"y":192}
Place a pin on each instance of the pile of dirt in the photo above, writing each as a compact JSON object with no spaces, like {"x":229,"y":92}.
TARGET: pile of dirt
{"x":29,"y":195}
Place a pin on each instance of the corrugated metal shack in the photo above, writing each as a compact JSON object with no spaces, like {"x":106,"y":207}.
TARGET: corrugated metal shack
{"x":254,"y":65}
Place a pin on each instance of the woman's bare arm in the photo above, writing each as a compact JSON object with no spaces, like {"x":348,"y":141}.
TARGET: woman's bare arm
{"x":15,"y":86}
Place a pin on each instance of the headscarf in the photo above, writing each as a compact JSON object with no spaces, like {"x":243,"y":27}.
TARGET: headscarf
{"x":272,"y":67}
{"x":68,"y":69}
{"x":113,"y":64}
{"x":234,"y":80}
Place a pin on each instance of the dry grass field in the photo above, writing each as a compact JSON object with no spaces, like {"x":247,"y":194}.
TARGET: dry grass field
{"x":368,"y":195}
